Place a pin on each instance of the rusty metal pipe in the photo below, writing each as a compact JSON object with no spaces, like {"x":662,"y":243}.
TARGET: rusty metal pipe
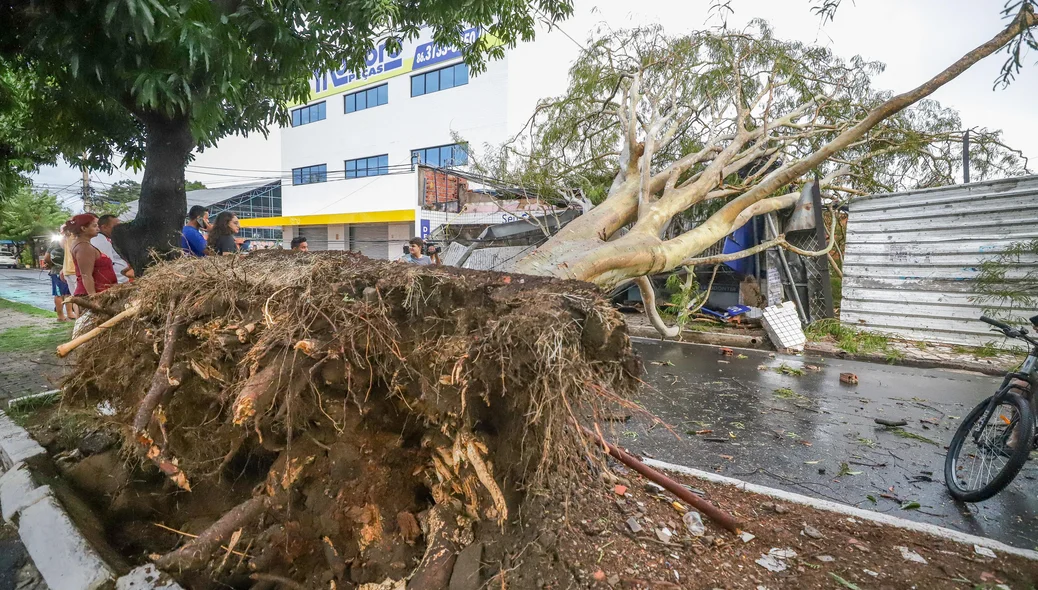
{"x":714,"y":513}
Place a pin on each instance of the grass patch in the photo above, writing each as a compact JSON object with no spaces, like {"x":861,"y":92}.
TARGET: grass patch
{"x":35,"y":339}
{"x":989,"y":350}
{"x":23,"y":410}
{"x":850,"y":340}
{"x":6,"y":304}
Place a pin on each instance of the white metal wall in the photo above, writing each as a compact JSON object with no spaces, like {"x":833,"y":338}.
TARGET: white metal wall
{"x":911,"y":257}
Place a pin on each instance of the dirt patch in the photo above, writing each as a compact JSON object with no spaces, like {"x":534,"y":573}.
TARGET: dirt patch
{"x":591,"y":536}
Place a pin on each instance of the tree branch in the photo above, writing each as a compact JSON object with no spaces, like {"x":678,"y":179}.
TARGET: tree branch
{"x":649,"y":300}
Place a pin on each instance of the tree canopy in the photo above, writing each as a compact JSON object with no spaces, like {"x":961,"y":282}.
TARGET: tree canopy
{"x":28,"y":213}
{"x":145,"y":82}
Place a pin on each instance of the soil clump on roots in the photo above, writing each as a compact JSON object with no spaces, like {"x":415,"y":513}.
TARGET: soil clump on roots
{"x":323,"y":420}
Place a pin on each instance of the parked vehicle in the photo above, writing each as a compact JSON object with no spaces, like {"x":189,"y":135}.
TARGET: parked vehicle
{"x":8,"y":257}
{"x":995,"y":439}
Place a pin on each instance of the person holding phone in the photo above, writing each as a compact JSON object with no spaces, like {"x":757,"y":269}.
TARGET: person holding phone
{"x":191,"y":239}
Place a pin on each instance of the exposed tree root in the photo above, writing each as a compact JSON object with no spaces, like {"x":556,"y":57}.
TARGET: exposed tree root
{"x":197,"y":552}
{"x":340,"y":397}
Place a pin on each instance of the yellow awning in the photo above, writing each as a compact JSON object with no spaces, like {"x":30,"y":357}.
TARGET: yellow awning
{"x":397,"y":216}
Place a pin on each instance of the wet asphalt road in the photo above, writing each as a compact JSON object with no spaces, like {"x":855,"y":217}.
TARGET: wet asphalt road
{"x":786,"y":441}
{"x":26,"y":286}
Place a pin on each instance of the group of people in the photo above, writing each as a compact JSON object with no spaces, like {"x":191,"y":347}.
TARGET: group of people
{"x":218,"y":238}
{"x":83,"y":261}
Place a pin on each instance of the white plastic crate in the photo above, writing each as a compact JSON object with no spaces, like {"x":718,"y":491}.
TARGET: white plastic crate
{"x":782,"y":323}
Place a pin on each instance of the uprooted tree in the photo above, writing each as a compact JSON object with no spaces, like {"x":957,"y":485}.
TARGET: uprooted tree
{"x":653,"y":126}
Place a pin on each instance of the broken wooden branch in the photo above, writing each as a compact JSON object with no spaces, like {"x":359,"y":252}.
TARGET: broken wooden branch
{"x":75,"y":343}
{"x":87,"y":303}
{"x":717,"y":515}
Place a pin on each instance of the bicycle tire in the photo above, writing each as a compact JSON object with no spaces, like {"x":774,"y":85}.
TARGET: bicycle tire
{"x":1019,"y":455}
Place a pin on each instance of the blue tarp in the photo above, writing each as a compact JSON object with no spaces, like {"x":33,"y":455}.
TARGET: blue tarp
{"x":741,"y":239}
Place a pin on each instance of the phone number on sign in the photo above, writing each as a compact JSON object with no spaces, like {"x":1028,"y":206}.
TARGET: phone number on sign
{"x":430,"y":53}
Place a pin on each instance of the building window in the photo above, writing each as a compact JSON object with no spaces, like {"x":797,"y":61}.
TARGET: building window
{"x":442,"y":79}
{"x":373,"y":166}
{"x":308,"y":114}
{"x":444,"y":156}
{"x":310,"y":174}
{"x":366,"y":99}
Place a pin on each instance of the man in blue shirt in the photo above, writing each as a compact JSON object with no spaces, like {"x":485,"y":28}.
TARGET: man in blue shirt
{"x":191,"y":239}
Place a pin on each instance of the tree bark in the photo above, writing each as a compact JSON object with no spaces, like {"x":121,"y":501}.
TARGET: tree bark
{"x":163,"y":203}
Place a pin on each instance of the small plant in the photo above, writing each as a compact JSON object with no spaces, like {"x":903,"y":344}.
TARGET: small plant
{"x":787,"y":393}
{"x":785,"y":369}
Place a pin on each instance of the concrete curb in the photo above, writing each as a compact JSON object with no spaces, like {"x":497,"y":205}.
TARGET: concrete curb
{"x":903,"y":523}
{"x":61,"y":553}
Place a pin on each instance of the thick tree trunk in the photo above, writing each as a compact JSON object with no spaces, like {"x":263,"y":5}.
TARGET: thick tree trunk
{"x":163,"y":204}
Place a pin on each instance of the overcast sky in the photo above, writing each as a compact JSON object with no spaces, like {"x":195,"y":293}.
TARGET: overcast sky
{"x":914,"y":38}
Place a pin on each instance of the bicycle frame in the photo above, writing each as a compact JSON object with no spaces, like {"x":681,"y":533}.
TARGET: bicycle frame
{"x":1028,"y":374}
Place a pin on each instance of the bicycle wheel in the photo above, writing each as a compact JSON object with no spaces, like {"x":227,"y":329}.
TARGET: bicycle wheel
{"x":976,"y":469}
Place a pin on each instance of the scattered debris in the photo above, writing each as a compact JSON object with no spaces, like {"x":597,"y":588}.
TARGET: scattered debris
{"x":911,"y":505}
{"x":871,"y":573}
{"x":742,"y":356}
{"x":727,"y":351}
{"x":845,"y":469}
{"x":906,"y":434}
{"x":776,"y":508}
{"x":849,"y":378}
{"x":786,"y":553}
{"x":910,"y":555}
{"x":632,"y":523}
{"x":825,"y":558}
{"x":664,"y":534}
{"x":771,"y":564}
{"x":886,"y":422}
{"x":984,"y":551}
{"x":662,"y":363}
{"x":620,"y":490}
{"x":747,"y":537}
{"x":812,"y":532}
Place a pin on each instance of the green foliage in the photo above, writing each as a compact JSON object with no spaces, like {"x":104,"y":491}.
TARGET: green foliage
{"x":30,"y":213}
{"x":20,"y":152}
{"x":849,"y":339}
{"x":117,"y":198}
{"x":99,"y":74}
{"x":26,"y":257}
{"x":1005,"y":289}
{"x":686,"y":298}
{"x":194,"y":185}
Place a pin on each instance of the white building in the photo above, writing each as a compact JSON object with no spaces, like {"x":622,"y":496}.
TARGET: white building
{"x":353,"y":148}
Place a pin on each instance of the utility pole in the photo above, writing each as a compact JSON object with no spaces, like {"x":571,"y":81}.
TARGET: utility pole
{"x":966,"y":157}
{"x":86,"y":189}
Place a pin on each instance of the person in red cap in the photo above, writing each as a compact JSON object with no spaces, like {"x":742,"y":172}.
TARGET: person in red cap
{"x":94,"y":271}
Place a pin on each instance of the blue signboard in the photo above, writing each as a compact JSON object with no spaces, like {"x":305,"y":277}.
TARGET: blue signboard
{"x":425,"y":231}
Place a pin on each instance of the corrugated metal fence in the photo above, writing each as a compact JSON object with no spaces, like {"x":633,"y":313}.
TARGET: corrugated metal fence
{"x":911,"y":257}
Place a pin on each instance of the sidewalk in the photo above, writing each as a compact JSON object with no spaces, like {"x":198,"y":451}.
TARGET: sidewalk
{"x":28,"y":337}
